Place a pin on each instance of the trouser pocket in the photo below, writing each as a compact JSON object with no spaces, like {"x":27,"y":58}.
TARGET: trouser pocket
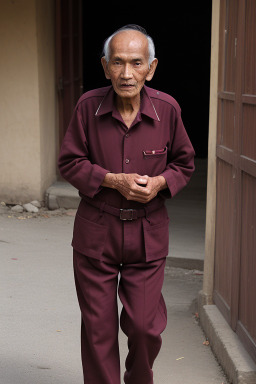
{"x":89,"y":237}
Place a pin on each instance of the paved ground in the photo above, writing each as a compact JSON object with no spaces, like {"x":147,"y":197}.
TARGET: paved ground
{"x":40,"y":319}
{"x":187,"y":217}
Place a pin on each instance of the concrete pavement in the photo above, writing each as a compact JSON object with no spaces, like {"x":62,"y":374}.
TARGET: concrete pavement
{"x":187,"y":221}
{"x":40,"y":318}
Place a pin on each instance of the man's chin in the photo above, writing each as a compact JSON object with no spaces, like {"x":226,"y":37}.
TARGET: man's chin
{"x":129,"y":92}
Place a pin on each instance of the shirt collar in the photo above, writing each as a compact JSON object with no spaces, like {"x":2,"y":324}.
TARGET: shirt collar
{"x":107,"y":103}
{"x":147,"y":107}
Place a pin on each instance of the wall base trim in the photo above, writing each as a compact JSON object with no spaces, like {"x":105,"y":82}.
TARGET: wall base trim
{"x":226,"y":346}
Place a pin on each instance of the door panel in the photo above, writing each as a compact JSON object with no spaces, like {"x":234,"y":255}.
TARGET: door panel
{"x":224,"y":237}
{"x":235,"y":249}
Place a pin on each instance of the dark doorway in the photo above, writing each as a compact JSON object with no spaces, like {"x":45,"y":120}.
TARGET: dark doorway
{"x":69,"y":61}
{"x":182,"y":35}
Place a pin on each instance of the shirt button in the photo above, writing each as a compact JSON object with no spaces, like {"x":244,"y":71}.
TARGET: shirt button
{"x":127,"y":161}
{"x":127,"y":135}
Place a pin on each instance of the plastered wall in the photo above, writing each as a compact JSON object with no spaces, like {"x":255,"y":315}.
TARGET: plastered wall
{"x":27,"y":99}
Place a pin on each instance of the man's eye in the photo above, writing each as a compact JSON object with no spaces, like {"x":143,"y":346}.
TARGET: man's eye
{"x":137,"y":64}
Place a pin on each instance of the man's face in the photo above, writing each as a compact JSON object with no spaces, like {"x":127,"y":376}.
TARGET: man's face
{"x":128,"y":66}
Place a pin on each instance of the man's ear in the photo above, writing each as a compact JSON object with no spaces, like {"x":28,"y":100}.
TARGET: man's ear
{"x":152,"y":69}
{"x":105,"y":67}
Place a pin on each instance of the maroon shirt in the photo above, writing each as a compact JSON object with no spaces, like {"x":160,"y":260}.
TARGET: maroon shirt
{"x":98,"y":141}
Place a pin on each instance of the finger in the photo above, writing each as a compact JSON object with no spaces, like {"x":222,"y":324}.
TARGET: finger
{"x":140,"y":190}
{"x":138,"y":199}
{"x":141,"y":180}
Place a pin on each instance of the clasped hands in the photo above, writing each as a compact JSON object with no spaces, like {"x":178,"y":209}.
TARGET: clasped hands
{"x":135,"y":187}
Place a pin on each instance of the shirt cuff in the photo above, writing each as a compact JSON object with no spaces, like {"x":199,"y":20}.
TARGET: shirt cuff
{"x":99,"y":174}
{"x":171,"y":184}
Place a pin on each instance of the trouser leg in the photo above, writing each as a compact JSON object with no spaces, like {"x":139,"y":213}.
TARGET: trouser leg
{"x":143,"y":317}
{"x":96,"y":284}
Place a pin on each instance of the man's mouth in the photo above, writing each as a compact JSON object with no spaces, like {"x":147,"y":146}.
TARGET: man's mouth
{"x":127,"y":85}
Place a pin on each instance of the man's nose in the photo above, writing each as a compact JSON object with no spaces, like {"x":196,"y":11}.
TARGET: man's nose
{"x":126,"y":74}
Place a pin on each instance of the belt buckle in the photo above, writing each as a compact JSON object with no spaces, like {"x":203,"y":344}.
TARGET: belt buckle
{"x":127,"y":214}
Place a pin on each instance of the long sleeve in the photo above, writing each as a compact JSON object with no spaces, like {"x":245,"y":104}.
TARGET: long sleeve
{"x":74,"y":159}
{"x":180,"y":166}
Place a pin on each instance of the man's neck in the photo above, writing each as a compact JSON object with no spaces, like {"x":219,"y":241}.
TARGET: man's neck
{"x":128,"y":106}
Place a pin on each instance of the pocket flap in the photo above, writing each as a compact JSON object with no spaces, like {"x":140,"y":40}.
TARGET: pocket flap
{"x":89,"y":237}
{"x":156,"y":239}
{"x":154,"y":153}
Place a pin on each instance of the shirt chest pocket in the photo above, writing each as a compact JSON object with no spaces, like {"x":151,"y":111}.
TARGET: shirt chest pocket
{"x":154,"y":161}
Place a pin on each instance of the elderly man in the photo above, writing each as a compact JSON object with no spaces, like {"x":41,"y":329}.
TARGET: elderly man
{"x":126,"y":150}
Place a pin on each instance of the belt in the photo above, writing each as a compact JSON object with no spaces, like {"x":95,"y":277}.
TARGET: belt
{"x":124,"y":214}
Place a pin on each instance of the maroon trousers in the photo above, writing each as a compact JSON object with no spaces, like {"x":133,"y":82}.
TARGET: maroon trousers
{"x":143,"y":317}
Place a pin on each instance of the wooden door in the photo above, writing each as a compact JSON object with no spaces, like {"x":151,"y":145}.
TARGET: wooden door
{"x":68,"y":59}
{"x":235,"y":248}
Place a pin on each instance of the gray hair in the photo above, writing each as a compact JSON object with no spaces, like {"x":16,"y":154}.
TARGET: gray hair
{"x":129,"y":27}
